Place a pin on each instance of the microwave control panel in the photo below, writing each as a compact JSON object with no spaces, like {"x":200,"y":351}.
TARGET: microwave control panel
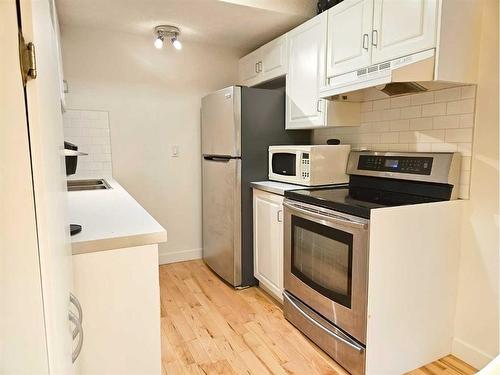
{"x":305,"y":166}
{"x":399,"y":164}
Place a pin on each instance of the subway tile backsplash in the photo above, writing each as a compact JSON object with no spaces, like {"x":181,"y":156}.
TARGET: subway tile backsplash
{"x":89,"y":130}
{"x":438,"y":121}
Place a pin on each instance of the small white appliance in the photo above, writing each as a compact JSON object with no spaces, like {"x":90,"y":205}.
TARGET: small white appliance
{"x":309,"y":165}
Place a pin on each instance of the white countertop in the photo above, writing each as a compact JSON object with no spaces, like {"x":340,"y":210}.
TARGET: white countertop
{"x":275,"y":187}
{"x":111,"y":219}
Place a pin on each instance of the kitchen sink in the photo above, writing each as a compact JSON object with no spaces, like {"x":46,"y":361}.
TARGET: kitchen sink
{"x":90,"y":184}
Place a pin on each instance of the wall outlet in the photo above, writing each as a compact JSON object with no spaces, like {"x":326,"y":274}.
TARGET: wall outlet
{"x":175,"y":151}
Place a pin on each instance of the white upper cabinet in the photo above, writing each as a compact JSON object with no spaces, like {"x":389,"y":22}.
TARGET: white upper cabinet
{"x":274,"y":59}
{"x":349,"y":30}
{"x":306,"y":67}
{"x":248,"y":69}
{"x":366,"y":32}
{"x":402,"y":27}
{"x":264,"y":64}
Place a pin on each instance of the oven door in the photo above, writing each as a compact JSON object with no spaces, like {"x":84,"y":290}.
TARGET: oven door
{"x":326,"y":260}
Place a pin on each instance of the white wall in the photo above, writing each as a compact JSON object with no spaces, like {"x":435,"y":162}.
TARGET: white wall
{"x":89,"y":130}
{"x":477,"y":319}
{"x":432,"y":121}
{"x":153,"y":98}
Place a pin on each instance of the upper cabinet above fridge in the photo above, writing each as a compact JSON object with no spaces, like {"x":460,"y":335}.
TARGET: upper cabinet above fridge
{"x":432,"y":43}
{"x":264,"y":64}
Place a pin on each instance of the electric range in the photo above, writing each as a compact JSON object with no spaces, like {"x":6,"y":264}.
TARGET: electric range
{"x":326,"y":243}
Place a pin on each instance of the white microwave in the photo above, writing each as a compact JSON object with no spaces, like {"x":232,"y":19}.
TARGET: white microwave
{"x":309,"y":165}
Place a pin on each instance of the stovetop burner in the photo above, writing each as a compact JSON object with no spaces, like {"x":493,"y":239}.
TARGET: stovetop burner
{"x":385,"y":179}
{"x":366,"y":193}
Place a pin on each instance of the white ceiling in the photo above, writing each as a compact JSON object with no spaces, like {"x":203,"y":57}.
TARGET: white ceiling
{"x":244,"y":24}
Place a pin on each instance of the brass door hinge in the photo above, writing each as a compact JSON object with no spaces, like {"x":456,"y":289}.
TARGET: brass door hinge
{"x":27,"y":58}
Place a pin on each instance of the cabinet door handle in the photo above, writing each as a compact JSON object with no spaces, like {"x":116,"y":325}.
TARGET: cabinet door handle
{"x":259,"y":64}
{"x":256,"y":67}
{"x":74,"y":319}
{"x":365,"y":41}
{"x":279,"y":216}
{"x":374,"y":38}
{"x":74,"y":301}
{"x":318,"y":106}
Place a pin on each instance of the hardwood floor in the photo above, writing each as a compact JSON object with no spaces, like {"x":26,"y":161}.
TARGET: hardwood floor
{"x":209,"y":328}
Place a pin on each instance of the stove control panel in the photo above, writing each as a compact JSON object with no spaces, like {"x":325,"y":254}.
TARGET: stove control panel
{"x":400,"y":164}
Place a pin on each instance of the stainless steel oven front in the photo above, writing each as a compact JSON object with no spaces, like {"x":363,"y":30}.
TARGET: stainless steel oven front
{"x":326,"y":279}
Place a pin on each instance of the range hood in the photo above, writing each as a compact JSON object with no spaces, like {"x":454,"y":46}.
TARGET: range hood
{"x":406,"y":75}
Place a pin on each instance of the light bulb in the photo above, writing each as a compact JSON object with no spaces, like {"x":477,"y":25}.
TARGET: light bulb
{"x":159,"y":42}
{"x":176,"y":43}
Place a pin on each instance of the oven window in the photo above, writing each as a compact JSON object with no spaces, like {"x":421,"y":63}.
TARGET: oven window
{"x":284,"y":163}
{"x":322,"y":258}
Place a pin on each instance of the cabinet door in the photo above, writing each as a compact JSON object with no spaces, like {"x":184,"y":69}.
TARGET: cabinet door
{"x":49,"y":183}
{"x":402,"y":27}
{"x":268,"y":241}
{"x":22,"y":325}
{"x":114,"y":342}
{"x":306,"y":73}
{"x":349,"y":30}
{"x":273,"y":61}
{"x":249,"y":69}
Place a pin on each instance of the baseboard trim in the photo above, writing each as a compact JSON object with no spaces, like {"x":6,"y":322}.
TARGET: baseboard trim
{"x":470,"y":354}
{"x":179,"y":256}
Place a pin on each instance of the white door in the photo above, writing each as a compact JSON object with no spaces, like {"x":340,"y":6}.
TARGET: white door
{"x":249,"y":69}
{"x":401,"y":28}
{"x":349,"y":33}
{"x":268,"y":241}
{"x":273,"y":59}
{"x":23,"y":347}
{"x":49,"y":181}
{"x":306,"y":74}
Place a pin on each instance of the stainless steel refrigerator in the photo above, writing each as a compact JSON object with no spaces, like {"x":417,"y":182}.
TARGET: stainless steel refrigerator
{"x":238,"y":124}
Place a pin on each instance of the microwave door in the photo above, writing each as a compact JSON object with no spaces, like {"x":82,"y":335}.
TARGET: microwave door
{"x":221,"y":122}
{"x":284,"y":163}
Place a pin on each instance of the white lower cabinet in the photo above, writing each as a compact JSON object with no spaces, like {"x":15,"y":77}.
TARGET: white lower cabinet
{"x":268,"y":241}
{"x":119,"y":293}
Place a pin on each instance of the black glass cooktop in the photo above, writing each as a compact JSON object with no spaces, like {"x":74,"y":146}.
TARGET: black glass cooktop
{"x":366,"y":193}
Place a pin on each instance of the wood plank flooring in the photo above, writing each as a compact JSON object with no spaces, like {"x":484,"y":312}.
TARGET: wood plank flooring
{"x":209,"y":328}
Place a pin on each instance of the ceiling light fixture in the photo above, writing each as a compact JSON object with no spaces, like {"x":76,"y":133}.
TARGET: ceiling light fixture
{"x":166,"y":31}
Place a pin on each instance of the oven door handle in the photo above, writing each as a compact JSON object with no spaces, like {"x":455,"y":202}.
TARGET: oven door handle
{"x":346,"y":340}
{"x":326,"y":216}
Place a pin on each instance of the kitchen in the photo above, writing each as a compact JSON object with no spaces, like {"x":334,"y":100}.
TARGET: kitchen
{"x":156,"y":260}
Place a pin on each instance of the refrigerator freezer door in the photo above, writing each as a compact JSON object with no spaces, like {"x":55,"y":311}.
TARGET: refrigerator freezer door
{"x":221,"y":122}
{"x":222,"y":217}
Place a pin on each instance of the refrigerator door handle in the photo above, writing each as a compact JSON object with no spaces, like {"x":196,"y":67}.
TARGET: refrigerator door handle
{"x":222,"y":159}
